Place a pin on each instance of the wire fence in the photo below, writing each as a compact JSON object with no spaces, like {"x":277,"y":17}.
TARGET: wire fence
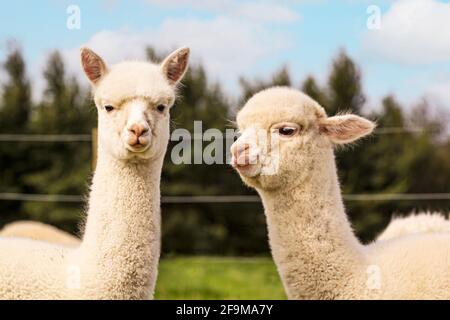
{"x":88,"y":137}
{"x":45,"y":138}
{"x":200,"y":199}
{"x":226,"y":199}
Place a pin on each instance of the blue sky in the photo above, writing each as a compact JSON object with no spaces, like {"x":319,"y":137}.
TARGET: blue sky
{"x":409,"y":55}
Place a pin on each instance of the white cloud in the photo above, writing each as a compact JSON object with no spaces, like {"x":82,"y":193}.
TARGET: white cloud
{"x":233,"y":43}
{"x":268,"y":11}
{"x":439,"y":93}
{"x":227,"y":47}
{"x":412,"y":32}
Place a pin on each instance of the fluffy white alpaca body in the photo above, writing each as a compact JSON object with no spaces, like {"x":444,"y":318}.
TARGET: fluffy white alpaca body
{"x":313,"y":245}
{"x":119,"y":253}
{"x":399,"y":226}
{"x":415,"y":223}
{"x":38,"y":231}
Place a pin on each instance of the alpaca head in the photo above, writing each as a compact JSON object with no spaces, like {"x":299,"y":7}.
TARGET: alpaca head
{"x":133,"y":101}
{"x":286,"y":136}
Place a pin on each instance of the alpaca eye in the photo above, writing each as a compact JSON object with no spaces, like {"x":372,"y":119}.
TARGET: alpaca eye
{"x":109,"y":108}
{"x":287,"y":131}
{"x":161,"y":108}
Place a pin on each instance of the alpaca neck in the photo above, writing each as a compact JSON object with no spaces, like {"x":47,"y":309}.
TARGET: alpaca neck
{"x":122,"y":235}
{"x":312,"y":243}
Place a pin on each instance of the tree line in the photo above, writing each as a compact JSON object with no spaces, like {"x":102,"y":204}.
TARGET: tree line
{"x":393,"y":160}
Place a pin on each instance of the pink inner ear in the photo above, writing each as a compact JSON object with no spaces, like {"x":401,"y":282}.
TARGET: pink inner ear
{"x":341,"y":130}
{"x":347,"y":128}
{"x":177,"y":66}
{"x":92,"y":65}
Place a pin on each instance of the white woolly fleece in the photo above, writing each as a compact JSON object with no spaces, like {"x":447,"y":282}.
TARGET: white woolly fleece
{"x":415,"y":223}
{"x":38,"y":231}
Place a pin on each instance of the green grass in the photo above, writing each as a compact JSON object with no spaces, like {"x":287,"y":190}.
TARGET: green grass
{"x":218,"y":278}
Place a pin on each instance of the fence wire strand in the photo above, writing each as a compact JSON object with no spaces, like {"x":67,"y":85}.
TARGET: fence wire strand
{"x":200,"y":199}
{"x":226,"y":199}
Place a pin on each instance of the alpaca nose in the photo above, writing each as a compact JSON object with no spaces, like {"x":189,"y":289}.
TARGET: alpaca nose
{"x":138,"y":129}
{"x":238,"y":148}
{"x":240,"y":153}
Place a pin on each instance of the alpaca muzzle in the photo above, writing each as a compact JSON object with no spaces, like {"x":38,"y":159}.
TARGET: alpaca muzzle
{"x":243,"y":155}
{"x":138,"y":136}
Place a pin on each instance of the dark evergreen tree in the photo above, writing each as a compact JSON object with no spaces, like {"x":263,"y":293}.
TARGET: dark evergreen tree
{"x":60,"y":167}
{"x":311,"y":88}
{"x":344,"y":86}
{"x":15,"y":109}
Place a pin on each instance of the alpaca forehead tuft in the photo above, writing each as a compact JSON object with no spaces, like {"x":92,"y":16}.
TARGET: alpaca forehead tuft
{"x":135,"y":79}
{"x":279,"y":104}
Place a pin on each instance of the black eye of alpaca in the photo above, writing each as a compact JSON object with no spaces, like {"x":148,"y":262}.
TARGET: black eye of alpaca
{"x":161,"y":108}
{"x":109,"y":108}
{"x":287,"y":131}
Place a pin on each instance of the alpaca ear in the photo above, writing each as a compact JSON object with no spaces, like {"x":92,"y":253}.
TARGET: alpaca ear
{"x":94,"y":67}
{"x":345,"y":128}
{"x":175,"y":65}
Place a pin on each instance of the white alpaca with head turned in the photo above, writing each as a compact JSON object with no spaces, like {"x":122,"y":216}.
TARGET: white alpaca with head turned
{"x":119,"y":253}
{"x":313,"y":245}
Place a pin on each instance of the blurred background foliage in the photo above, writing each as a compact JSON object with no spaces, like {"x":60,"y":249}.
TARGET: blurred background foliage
{"x":387,"y":162}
